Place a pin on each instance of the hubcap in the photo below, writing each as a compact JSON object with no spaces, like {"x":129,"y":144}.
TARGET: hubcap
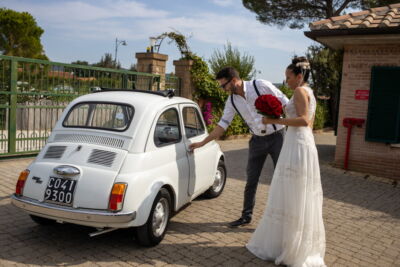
{"x":160,"y":217}
{"x":218,"y":180}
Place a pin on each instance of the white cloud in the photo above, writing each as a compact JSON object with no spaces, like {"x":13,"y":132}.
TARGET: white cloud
{"x":217,"y":29}
{"x":131,"y":20}
{"x":225,"y":3}
{"x":65,"y":12}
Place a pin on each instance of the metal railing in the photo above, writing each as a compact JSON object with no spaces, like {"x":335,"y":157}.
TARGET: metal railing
{"x":173,"y":82}
{"x":33,"y":94}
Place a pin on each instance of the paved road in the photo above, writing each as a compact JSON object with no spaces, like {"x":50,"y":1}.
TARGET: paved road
{"x":362,"y":220}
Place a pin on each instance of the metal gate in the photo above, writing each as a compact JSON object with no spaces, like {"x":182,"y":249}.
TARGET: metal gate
{"x":34,"y":93}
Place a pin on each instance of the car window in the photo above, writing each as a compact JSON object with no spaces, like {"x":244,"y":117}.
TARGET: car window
{"x":193,"y":124}
{"x":107,"y":116}
{"x":167,"y":128}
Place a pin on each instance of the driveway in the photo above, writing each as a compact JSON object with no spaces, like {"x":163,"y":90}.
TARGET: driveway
{"x":362,"y":221}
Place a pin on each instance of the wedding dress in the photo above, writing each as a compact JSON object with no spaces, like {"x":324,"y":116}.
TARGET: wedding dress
{"x":291,"y":231}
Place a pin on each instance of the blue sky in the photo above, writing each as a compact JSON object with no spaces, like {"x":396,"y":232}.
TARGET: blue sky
{"x":86,"y":30}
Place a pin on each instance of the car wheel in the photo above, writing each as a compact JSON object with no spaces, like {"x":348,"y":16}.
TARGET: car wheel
{"x":219,"y":181}
{"x":153,"y":231}
{"x":41,"y":220}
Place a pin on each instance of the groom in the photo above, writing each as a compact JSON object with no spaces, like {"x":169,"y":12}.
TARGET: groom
{"x":266,"y":139}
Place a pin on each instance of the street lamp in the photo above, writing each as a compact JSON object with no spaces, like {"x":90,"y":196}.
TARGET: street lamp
{"x":117,"y":43}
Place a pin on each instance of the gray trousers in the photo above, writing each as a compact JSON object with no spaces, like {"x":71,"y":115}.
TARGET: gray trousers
{"x":259,"y":148}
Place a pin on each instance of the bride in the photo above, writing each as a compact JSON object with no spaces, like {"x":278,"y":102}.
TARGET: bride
{"x":291,"y":231}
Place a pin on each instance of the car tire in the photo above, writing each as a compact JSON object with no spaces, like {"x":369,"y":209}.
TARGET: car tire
{"x":153,"y":231}
{"x":219,"y":181}
{"x":41,"y":220}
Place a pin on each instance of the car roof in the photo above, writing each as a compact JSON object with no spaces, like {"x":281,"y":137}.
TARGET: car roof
{"x":139,"y":100}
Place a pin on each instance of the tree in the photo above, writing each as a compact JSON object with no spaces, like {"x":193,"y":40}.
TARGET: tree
{"x":296,"y":14}
{"x":20,"y":35}
{"x":232,"y":57}
{"x":133,"y":67}
{"x":107,"y":61}
{"x":80,"y":62}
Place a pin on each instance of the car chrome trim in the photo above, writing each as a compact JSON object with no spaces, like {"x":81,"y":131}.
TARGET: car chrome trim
{"x":66,"y":170}
{"x":68,"y":213}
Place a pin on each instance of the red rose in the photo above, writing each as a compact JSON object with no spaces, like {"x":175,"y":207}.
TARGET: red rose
{"x":269,"y":105}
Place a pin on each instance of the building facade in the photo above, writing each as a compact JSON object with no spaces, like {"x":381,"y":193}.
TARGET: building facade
{"x":368,"y":134}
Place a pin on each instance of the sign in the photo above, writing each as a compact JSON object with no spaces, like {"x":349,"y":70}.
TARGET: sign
{"x":362,"y":94}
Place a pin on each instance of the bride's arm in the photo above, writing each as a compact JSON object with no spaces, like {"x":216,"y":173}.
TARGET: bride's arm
{"x":301,"y":100}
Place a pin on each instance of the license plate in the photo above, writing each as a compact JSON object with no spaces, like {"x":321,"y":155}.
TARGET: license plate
{"x":60,"y":191}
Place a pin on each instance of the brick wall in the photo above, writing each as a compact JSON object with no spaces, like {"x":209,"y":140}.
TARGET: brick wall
{"x":152,"y":63}
{"x":369,"y":157}
{"x":182,"y":70}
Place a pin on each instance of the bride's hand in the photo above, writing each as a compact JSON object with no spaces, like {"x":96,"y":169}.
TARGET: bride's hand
{"x":266,"y":120}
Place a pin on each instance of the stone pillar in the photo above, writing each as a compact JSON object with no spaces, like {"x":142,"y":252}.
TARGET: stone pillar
{"x":153,"y":63}
{"x":182,"y":70}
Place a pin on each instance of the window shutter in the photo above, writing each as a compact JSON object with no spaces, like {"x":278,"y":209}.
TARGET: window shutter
{"x":383,"y":120}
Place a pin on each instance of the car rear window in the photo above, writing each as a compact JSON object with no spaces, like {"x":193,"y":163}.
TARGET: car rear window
{"x":105,"y":116}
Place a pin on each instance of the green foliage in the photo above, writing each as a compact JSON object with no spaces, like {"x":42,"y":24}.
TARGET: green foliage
{"x":180,"y":41}
{"x":286,"y":90}
{"x":231,"y":57}
{"x":81,"y":62}
{"x":236,"y":127}
{"x":107,"y":61}
{"x":377,"y":3}
{"x":133,"y":67}
{"x":206,"y":86}
{"x":20,"y":35}
{"x":321,"y":115}
{"x":297,"y":14}
{"x":326,"y":69}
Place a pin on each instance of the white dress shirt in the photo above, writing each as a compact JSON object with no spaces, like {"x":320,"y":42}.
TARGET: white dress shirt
{"x":248,"y":110}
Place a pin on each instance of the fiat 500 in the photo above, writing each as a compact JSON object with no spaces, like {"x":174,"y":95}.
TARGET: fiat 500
{"x":119,"y":159}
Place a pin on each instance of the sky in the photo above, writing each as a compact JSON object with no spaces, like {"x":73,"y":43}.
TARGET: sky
{"x":87,"y":29}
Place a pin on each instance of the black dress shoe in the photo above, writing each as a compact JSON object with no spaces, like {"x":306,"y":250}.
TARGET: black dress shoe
{"x":239,"y":222}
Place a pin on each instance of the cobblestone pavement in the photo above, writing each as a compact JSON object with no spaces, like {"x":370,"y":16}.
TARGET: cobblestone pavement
{"x":362,"y":220}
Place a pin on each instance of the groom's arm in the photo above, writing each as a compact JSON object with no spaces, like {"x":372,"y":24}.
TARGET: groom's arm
{"x":216,"y":133}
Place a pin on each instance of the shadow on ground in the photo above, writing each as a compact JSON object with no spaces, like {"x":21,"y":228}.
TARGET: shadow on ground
{"x":68,"y":244}
{"x":337,"y":184}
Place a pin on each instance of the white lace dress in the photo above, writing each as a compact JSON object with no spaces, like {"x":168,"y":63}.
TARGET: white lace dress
{"x":291,"y":231}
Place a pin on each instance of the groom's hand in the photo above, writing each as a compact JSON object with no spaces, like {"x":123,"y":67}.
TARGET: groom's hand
{"x":195,"y":145}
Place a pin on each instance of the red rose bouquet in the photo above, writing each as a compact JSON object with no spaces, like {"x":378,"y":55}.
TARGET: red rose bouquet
{"x":269,"y":106}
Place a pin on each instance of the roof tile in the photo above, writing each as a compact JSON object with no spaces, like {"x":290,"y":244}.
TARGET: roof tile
{"x":386,"y":16}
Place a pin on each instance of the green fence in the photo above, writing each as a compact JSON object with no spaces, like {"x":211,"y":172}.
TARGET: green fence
{"x":34,"y":93}
{"x":173,"y":82}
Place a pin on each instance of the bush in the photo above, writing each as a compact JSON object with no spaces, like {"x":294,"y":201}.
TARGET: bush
{"x":321,"y":115}
{"x":236,"y":127}
{"x":286,"y":91}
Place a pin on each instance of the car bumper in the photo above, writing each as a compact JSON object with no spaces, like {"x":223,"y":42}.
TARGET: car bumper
{"x":70,"y":214}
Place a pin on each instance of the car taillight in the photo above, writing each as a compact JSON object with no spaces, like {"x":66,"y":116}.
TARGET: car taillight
{"x":21,"y":182}
{"x":117,"y":197}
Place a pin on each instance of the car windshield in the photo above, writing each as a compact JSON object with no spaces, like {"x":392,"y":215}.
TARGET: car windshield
{"x":105,"y":116}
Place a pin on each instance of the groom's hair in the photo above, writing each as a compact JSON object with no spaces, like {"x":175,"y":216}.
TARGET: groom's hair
{"x":227,"y":73}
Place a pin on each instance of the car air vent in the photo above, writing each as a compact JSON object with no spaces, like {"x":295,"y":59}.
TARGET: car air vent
{"x":91,"y":139}
{"x":102,"y":157}
{"x":54,"y":152}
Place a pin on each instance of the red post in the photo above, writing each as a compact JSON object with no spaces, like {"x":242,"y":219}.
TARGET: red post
{"x":346,"y":156}
{"x":349,"y":123}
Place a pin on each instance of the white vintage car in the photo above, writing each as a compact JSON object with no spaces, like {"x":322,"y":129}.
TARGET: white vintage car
{"x":119,"y":159}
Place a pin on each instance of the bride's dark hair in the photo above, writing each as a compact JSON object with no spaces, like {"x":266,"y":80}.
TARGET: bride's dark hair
{"x":300,"y":65}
